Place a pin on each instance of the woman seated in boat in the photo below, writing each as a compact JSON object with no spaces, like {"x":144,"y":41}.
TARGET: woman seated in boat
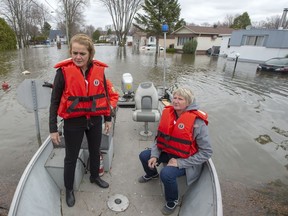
{"x":182,"y":143}
{"x":81,"y":96}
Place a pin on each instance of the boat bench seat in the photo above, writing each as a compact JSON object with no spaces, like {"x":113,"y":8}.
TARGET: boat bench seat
{"x":181,"y":181}
{"x":106,"y":148}
{"x":55,"y":167}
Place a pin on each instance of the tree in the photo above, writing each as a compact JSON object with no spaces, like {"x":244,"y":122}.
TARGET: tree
{"x":156,"y":13}
{"x":109,"y":32}
{"x":229,"y":20}
{"x":33,"y":32}
{"x":24,"y":17}
{"x":96,"y":34}
{"x":89,"y":30}
{"x":15,"y":14}
{"x":73,"y":13}
{"x":179,"y":24}
{"x":242,"y":21}
{"x":7,"y":36}
{"x":46,"y":29}
{"x":122,"y":13}
{"x":271,"y":22}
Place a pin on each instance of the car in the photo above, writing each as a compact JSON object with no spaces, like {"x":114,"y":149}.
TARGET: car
{"x":150,"y":47}
{"x":274,"y":64}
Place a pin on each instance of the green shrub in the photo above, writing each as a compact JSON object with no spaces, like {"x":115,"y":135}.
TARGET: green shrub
{"x":102,"y":41}
{"x":190,"y":47}
{"x":7,"y":36}
{"x":170,"y":50}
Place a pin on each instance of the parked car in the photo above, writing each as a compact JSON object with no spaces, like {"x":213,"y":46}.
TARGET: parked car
{"x":274,"y":64}
{"x":149,"y":47}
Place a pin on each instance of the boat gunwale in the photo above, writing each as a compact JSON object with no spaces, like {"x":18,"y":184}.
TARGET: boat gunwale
{"x":216,"y":184}
{"x":25,"y":175}
{"x":218,"y":208}
{"x":217,"y":188}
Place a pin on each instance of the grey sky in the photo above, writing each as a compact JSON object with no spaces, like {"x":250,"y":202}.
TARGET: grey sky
{"x":198,"y":12}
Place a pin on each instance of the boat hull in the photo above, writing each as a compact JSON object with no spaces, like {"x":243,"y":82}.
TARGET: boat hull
{"x":38,"y":193}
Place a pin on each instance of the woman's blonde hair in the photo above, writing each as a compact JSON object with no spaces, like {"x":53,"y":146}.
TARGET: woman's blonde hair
{"x":86,"y":41}
{"x":186,"y":93}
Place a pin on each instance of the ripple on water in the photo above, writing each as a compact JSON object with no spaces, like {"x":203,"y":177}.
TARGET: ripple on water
{"x":242,"y":106}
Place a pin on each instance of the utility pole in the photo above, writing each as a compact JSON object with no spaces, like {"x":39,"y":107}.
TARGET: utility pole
{"x":67,"y":29}
{"x":66,"y":23}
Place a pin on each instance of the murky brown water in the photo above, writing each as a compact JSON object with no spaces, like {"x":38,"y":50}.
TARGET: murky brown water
{"x":247,"y":112}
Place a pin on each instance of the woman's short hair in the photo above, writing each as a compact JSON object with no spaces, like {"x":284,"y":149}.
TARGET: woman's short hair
{"x":86,"y":41}
{"x":186,"y":93}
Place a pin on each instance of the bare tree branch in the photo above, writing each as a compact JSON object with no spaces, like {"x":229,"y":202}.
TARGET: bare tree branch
{"x":122,"y":13}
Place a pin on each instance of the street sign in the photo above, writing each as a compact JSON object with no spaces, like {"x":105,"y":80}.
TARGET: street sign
{"x":32,"y":95}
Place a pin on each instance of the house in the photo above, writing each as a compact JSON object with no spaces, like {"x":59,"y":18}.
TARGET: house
{"x":54,"y":34}
{"x":258,"y":45}
{"x":170,"y":39}
{"x":206,"y":37}
{"x":141,"y":39}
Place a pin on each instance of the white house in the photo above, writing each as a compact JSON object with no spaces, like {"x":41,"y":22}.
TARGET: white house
{"x":258,"y":45}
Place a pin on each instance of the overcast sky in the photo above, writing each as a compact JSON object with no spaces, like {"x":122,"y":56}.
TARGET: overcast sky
{"x":196,"y":11}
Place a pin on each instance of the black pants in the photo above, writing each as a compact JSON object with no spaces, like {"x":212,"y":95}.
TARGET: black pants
{"x":73,"y":135}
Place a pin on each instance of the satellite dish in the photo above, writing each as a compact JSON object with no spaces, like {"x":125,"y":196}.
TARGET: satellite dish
{"x":248,"y":27}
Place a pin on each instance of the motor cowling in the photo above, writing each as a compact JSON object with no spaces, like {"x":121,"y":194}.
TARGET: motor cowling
{"x":127,"y":83}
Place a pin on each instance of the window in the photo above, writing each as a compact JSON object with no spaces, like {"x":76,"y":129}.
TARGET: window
{"x":182,"y":40}
{"x":253,"y":40}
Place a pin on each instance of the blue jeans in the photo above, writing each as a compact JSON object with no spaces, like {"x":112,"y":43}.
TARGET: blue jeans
{"x":168,"y":174}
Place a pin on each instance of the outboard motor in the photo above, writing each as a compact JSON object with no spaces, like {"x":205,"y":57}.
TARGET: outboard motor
{"x":127,"y":99}
{"x":127,"y":84}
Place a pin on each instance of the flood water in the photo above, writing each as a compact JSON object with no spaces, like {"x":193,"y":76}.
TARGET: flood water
{"x":247,"y":119}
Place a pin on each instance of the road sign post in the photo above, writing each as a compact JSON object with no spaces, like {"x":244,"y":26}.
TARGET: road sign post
{"x":33,"y":96}
{"x":164,"y":30}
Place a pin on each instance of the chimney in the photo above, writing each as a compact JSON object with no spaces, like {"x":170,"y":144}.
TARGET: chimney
{"x":283,"y":18}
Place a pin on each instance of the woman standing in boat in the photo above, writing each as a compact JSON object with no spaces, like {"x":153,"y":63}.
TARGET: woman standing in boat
{"x":81,"y":96}
{"x":182,"y":142}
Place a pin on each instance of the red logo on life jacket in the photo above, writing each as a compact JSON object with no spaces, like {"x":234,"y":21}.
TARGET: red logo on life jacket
{"x":181,"y":126}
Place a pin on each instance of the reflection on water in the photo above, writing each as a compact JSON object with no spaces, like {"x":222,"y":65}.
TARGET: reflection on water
{"x":243,"y":108}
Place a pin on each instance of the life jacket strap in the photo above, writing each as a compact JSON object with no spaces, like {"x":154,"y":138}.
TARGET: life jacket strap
{"x":76,"y":101}
{"x":171,"y":138}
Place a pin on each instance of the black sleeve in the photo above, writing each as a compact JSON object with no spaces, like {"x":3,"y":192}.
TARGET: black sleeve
{"x":107,"y":118}
{"x":57,"y":91}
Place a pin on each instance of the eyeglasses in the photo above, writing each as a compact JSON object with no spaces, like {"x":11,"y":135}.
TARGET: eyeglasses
{"x":80,"y":53}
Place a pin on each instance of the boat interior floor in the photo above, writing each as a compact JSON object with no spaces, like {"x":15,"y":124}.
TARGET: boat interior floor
{"x":145,"y":199}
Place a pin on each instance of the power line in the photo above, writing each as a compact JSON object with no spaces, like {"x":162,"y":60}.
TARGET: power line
{"x":50,"y":5}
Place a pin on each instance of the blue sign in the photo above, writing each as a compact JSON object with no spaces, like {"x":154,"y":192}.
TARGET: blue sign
{"x":165,"y":28}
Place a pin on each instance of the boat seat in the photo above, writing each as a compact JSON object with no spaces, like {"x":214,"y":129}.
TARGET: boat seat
{"x":106,"y":148}
{"x":146,"y":106}
{"x":55,"y":167}
{"x":181,"y":182}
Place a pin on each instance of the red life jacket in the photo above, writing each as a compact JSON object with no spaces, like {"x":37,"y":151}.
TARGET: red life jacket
{"x":176,"y":136}
{"x":83,"y":97}
{"x":113,"y":94}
